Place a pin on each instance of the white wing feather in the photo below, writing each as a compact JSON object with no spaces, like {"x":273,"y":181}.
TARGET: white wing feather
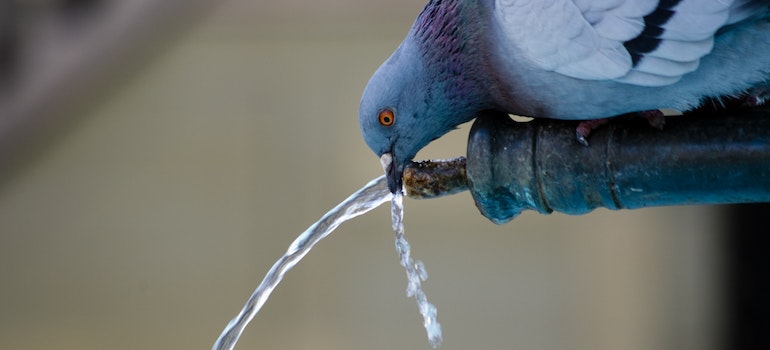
{"x":585,"y":39}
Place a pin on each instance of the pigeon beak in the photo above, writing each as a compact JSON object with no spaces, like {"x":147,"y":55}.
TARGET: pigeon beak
{"x":393,"y":171}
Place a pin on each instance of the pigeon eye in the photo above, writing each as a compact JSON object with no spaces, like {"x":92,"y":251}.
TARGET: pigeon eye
{"x":386,"y":117}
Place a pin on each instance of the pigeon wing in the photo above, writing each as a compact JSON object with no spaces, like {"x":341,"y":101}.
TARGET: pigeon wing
{"x":639,"y":42}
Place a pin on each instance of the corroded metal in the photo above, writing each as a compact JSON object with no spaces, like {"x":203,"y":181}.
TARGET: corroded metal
{"x":696,"y":159}
{"x":703,"y":158}
{"x":435,"y":178}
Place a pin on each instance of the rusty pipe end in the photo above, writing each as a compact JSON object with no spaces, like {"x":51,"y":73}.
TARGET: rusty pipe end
{"x":435,"y":178}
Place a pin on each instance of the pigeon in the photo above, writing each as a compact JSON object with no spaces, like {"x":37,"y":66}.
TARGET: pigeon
{"x":577,"y":60}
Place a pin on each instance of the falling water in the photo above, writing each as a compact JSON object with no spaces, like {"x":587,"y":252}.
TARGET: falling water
{"x":415,"y":273}
{"x":367,"y":198}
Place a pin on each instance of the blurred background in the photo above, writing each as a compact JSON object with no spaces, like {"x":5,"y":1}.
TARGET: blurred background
{"x":156,"y":158}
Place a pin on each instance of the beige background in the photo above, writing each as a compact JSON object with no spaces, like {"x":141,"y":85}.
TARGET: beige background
{"x":147,"y":221}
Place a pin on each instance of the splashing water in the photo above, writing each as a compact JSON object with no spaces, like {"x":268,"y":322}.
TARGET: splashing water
{"x":371,"y":196}
{"x":415,"y":273}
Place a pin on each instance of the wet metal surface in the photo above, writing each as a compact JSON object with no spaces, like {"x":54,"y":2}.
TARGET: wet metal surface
{"x":708,"y":158}
{"x":435,"y":178}
{"x":697,"y":159}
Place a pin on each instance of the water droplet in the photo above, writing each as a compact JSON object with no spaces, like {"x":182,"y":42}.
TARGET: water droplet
{"x":419,"y":266}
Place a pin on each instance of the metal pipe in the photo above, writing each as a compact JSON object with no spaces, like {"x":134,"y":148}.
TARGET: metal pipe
{"x":539,"y":165}
{"x":435,"y":178}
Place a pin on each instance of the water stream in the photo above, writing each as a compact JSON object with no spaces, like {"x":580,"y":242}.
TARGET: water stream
{"x":367,"y":198}
{"x":415,"y":273}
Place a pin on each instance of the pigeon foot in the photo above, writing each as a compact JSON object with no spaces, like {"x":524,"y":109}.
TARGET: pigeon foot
{"x":585,"y":127}
{"x":757,"y":96}
{"x":655,"y":118}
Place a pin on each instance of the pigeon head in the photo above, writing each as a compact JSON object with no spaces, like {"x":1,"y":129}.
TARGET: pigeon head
{"x":430,"y":84}
{"x":402,"y":110}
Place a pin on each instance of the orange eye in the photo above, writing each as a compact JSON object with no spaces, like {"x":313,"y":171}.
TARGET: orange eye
{"x":386,"y":117}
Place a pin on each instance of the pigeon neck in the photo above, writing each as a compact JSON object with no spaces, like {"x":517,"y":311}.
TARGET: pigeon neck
{"x":446,"y":33}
